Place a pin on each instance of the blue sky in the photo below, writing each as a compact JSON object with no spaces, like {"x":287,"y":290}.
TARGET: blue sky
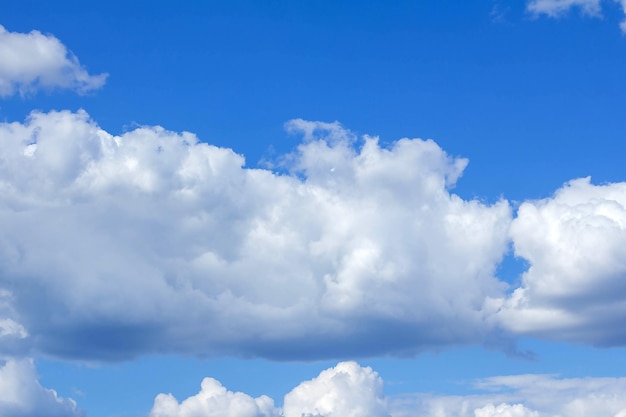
{"x":352,"y":208}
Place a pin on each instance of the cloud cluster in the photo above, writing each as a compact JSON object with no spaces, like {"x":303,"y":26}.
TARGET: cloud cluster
{"x":152,"y":241}
{"x":575,"y":243}
{"x":33,"y":61}
{"x":557,"y":8}
{"x":349,"y":390}
{"x":21,"y":395}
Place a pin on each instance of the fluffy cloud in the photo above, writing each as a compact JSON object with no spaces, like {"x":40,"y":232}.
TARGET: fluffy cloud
{"x":152,"y":241}
{"x":21,"y":395}
{"x":213,"y":400}
{"x":575,"y":243}
{"x":347,"y":390}
{"x":30,"y":61}
{"x":504,"y":410}
{"x":556,"y":8}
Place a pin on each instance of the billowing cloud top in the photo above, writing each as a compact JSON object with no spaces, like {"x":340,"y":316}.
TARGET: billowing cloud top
{"x":574,"y":288}
{"x":153,"y":241}
{"x":347,"y":390}
{"x":116,"y":246}
{"x":32,"y":61}
{"x":556,"y":8}
{"x":354,"y":391}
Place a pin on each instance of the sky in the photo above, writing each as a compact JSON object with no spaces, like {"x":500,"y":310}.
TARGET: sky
{"x":313,"y":208}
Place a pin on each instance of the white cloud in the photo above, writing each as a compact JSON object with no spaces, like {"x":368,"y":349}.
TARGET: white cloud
{"x":557,"y":8}
{"x":347,"y":390}
{"x":32,"y":61}
{"x":575,"y":243}
{"x":522,"y":396}
{"x":150,"y":241}
{"x":21,"y":395}
{"x":504,"y":410}
{"x":213,"y":400}
{"x":117,"y":246}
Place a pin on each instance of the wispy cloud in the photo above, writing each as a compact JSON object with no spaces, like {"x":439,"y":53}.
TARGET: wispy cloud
{"x":21,"y":395}
{"x":557,"y":8}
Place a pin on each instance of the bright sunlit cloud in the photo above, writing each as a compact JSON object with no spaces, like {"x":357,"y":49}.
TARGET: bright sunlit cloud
{"x":351,"y":390}
{"x":124,"y":236}
{"x":34,"y":61}
{"x":153,"y":242}
{"x":358,"y":250}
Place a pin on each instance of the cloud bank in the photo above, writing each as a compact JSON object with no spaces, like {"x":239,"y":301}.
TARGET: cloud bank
{"x":34,"y":61}
{"x":154,"y":242}
{"x":349,"y":390}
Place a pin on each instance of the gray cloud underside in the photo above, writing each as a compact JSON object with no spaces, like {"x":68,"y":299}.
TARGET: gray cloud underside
{"x":154,"y":242}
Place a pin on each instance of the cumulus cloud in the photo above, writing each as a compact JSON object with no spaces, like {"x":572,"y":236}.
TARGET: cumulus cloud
{"x":347,"y":390}
{"x":152,"y":241}
{"x":21,"y":395}
{"x":504,"y":410}
{"x":213,"y":400}
{"x":33,"y":61}
{"x":557,"y":8}
{"x":575,"y":287}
